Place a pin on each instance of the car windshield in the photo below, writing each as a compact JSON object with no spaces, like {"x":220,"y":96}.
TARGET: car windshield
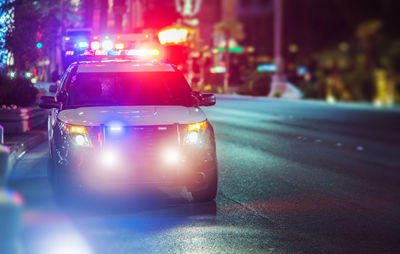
{"x":128,"y":89}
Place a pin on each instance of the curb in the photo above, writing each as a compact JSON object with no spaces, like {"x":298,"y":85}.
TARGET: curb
{"x":19,"y":149}
{"x":21,"y":120}
{"x":355,"y":105}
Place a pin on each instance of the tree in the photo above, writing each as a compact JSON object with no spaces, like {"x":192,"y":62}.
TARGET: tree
{"x":31,"y":22}
{"x":51,"y":26}
{"x":22,"y":32}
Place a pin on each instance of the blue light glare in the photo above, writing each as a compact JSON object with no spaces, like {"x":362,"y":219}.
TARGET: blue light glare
{"x":270,"y":67}
{"x":116,"y":128}
{"x":83,"y":45}
{"x":301,"y":70}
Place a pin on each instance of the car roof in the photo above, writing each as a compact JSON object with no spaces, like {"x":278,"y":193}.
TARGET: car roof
{"x":123,"y":66}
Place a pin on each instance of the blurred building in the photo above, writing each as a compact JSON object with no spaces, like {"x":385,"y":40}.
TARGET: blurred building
{"x":127,"y":15}
{"x":257,"y":19}
{"x":255,"y":15}
{"x":134,"y":15}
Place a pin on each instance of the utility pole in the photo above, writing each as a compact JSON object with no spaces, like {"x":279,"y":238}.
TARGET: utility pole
{"x":58,"y":54}
{"x":278,"y":79}
{"x":228,"y":15}
{"x":62,"y":16}
{"x":279,"y":85}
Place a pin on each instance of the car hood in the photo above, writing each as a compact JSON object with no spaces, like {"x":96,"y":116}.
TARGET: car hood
{"x":132,"y":115}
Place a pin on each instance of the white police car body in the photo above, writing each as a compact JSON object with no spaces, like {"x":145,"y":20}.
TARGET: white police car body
{"x":122,"y":125}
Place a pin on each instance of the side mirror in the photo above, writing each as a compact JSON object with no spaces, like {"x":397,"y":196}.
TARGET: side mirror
{"x":207,"y":99}
{"x":48,"y":102}
{"x":61,"y":96}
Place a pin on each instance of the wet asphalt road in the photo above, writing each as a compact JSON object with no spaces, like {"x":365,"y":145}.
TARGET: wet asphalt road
{"x":294,"y":177}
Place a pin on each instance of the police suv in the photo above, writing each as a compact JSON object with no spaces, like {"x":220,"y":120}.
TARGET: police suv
{"x":126,"y":125}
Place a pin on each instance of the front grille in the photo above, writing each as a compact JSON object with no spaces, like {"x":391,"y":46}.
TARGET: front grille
{"x":142,"y":143}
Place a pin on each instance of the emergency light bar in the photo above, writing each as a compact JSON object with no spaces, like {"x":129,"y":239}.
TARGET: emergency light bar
{"x":95,"y":45}
{"x":122,"y":46}
{"x":81,"y":39}
{"x":130,"y":52}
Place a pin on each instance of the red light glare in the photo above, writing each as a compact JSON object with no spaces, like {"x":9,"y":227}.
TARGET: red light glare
{"x":173,"y":35}
{"x":143,"y":52}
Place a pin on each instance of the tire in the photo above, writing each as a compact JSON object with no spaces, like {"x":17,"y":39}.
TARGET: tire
{"x":210,"y":192}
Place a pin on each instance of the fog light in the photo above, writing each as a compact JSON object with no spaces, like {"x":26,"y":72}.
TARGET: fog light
{"x":109,"y":158}
{"x":171,"y":156}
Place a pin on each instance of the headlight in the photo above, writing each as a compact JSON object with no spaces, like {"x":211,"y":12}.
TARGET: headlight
{"x":77,"y":134}
{"x":109,"y":158}
{"x":193,"y":132}
{"x":81,"y":140}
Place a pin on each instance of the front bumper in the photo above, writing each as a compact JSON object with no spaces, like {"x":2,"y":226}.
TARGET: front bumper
{"x":86,"y":170}
{"x":141,"y":159}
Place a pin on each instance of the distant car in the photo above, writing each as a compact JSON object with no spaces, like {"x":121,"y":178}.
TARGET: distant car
{"x":123,"y":125}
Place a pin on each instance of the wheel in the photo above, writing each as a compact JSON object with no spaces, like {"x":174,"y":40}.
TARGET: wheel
{"x":210,"y":192}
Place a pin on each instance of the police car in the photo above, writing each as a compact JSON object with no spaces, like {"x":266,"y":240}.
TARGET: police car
{"x":126,"y":125}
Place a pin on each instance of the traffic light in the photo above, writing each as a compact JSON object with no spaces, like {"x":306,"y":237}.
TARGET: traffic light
{"x":39,"y":45}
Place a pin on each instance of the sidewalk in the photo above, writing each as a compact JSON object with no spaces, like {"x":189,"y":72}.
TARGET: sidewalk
{"x":11,"y":202}
{"x":20,"y":143}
